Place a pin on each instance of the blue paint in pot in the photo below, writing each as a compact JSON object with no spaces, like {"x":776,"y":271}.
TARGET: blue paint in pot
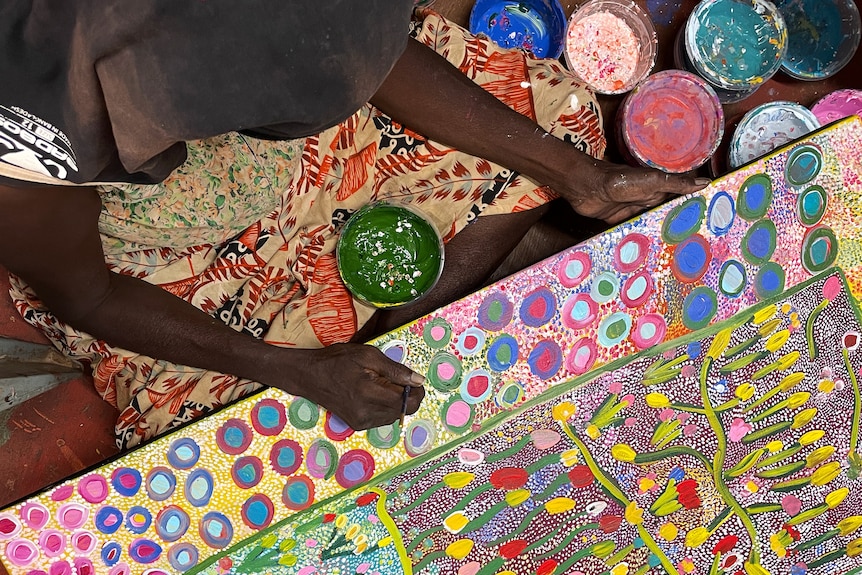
{"x":822,"y":36}
{"x":537,"y":26}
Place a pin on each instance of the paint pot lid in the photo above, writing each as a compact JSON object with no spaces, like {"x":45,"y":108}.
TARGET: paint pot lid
{"x":740,"y":52}
{"x":537,"y":26}
{"x":838,"y":105}
{"x":389,"y":254}
{"x":823,"y":36}
{"x":673,"y":121}
{"x":610,"y":45}
{"x":768,"y":127}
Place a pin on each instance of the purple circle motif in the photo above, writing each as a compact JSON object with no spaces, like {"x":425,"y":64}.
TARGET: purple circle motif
{"x":268,"y":417}
{"x":183,"y":556}
{"x":160,"y":483}
{"x":545,"y":359}
{"x":285,"y":456}
{"x":138,"y":519}
{"x":183,"y":453}
{"x":126,"y":481}
{"x":216,"y":530}
{"x":538,"y":307}
{"x":172,"y":523}
{"x":144,"y":551}
{"x":199,"y":487}
{"x":495,"y":312}
{"x":108,"y":519}
{"x":355,"y":467}
{"x":234,"y":436}
{"x":111,"y":553}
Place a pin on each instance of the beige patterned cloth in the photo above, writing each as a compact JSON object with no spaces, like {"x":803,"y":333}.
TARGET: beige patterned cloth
{"x":246,"y":229}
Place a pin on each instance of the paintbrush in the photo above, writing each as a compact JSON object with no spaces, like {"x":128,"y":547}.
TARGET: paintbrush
{"x":404,"y":396}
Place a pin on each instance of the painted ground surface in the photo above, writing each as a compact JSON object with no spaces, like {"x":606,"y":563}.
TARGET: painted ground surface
{"x":678,"y":393}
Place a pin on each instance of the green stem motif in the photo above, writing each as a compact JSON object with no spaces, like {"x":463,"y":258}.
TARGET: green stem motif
{"x":393,"y":530}
{"x":418,"y":539}
{"x":828,"y":558}
{"x":419,"y":500}
{"x":468,"y":498}
{"x":676,"y":450}
{"x":566,"y":541}
{"x":428,"y":559}
{"x":718,"y":464}
{"x":432,"y":469}
{"x":525,"y":522}
{"x":857,"y":399}
{"x":500,"y":455}
{"x":809,"y":329}
{"x":780,"y":456}
{"x":741,"y":347}
{"x":815,"y":541}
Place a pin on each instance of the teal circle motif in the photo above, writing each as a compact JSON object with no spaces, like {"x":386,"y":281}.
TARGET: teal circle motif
{"x":683,"y":220}
{"x":732,"y":278}
{"x":803,"y":165}
{"x":812,"y":205}
{"x":769,"y":281}
{"x":759,"y":242}
{"x":444,"y":372}
{"x":754,"y":197}
{"x":614,"y":328}
{"x":819,"y":249}
{"x":605,"y":287}
{"x":699,"y":308}
{"x":510,"y":395}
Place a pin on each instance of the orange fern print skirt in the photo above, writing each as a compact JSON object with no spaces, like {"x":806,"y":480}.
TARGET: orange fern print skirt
{"x":246,"y":229}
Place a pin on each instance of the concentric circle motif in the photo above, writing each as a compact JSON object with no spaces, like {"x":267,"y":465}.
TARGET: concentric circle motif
{"x":732,"y":278}
{"x":298,"y":493}
{"x":183,"y":453}
{"x":605,"y":287}
{"x":385,"y":436}
{"x":574,"y":269}
{"x":216,"y":530}
{"x":538,"y":307}
{"x":303,"y":414}
{"x":268,"y":417}
{"x":257,"y":511}
{"x":321,"y":460}
{"x":285,"y":456}
{"x":614,"y":328}
{"x":437,"y":333}
{"x":126,"y":481}
{"x":699,"y":308}
{"x":721,"y":214}
{"x":355,"y":467}
{"x":234,"y":436}
{"x":83,"y":542}
{"x":52,"y":542}
{"x":396,"y":350}
{"x":579,"y":311}
{"x":582,"y":356}
{"x":683,"y":220}
{"x":631,"y":252}
{"x":510,"y":395}
{"x":335,"y":428}
{"x":72,"y":515}
{"x":60,"y":567}
{"x":120,"y":569}
{"x":10,"y":526}
{"x":108,"y":519}
{"x":502,"y":353}
{"x":160,"y":483}
{"x":247,"y":471}
{"x":21,"y":552}
{"x":138,"y":519}
{"x":545,"y":359}
{"x":199,"y":487}
{"x":172,"y":523}
{"x":444,"y":372}
{"x":144,"y":551}
{"x":649,"y":330}
{"x":93,"y":488}
{"x":759,"y":242}
{"x":419,"y":437}
{"x":183,"y":556}
{"x":819,"y":249}
{"x":754,"y":197}
{"x":33,"y":514}
{"x":637,"y":289}
{"x":470,"y":342}
{"x":803,"y":165}
{"x":811,"y":205}
{"x":111,"y":553}
{"x":63,"y":492}
{"x":495,"y":312}
{"x":457,"y":415}
{"x":691,"y":259}
{"x":769,"y":281}
{"x":83,"y":566}
{"x":476,"y":387}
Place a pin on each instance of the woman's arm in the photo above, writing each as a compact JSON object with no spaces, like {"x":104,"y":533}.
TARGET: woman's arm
{"x":49,"y":237}
{"x":432,"y":97}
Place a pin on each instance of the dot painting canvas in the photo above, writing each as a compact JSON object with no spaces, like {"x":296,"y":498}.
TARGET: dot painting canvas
{"x":677,"y":395}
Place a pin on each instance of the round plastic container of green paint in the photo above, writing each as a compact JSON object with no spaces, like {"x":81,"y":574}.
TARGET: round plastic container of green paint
{"x":389,"y":255}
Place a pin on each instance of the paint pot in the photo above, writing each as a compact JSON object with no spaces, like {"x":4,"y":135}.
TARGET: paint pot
{"x":735,"y":45}
{"x":537,"y":26}
{"x":682,"y":62}
{"x":822,"y":36}
{"x":672,"y":121}
{"x":768,"y":127}
{"x":610,"y":45}
{"x":838,"y":105}
{"x":389,"y":255}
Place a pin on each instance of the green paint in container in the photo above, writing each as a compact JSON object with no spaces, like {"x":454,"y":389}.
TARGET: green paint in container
{"x":389,"y":255}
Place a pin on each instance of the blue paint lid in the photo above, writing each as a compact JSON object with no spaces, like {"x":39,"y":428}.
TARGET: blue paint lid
{"x":823,"y":36}
{"x":537,"y":26}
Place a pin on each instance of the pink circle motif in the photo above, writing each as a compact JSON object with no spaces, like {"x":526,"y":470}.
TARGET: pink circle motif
{"x":579,"y":311}
{"x":60,"y":568}
{"x":52,"y":542}
{"x":93,"y":488}
{"x":637,"y":289}
{"x":83,"y":542}
{"x":354,"y":467}
{"x":62,"y":493}
{"x":35,"y":516}
{"x":574,"y":269}
{"x":21,"y":552}
{"x":649,"y":330}
{"x":72,"y":515}
{"x":631,"y":252}
{"x":9,"y":526}
{"x":582,"y":356}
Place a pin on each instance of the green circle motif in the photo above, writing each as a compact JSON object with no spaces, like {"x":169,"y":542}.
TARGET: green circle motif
{"x":819,"y":249}
{"x":428,"y":338}
{"x":761,"y":229}
{"x":303,"y":414}
{"x":440,"y":382}
{"x":385,"y":436}
{"x":754,"y":198}
{"x":811,"y":205}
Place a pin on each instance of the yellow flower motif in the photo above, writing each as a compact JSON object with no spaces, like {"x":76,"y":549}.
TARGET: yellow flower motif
{"x":764,"y":314}
{"x":570,"y":457}
{"x":645,"y":484}
{"x":776,"y":340}
{"x":812,"y":436}
{"x":593,"y":431}
{"x":819,"y":455}
{"x":826,"y":385}
{"x":559,"y":505}
{"x":360,"y":549}
{"x":774,"y":446}
{"x":687,"y":565}
{"x":854,"y":548}
{"x":455,"y":522}
{"x":604,"y":549}
{"x":564,"y":410}
{"x":287,"y":545}
{"x":517,"y":496}
{"x":785,"y":308}
{"x":777,"y":545}
{"x":352,"y":531}
{"x":791,"y":380}
{"x":803,"y":418}
{"x":287,"y":560}
{"x":835,"y":498}
{"x":719,"y":343}
{"x":786,"y":361}
{"x":657,"y":400}
{"x":341,"y":521}
{"x":622,"y":452}
{"x":668,"y":531}
{"x":752,"y":487}
{"x":268,"y":540}
{"x":361,"y":540}
{"x":458,"y":479}
{"x":620,"y":569}
{"x":798,"y":399}
{"x":634,"y":514}
{"x":826,"y":473}
{"x":459,"y":549}
{"x":385,"y":541}
{"x":850,"y":524}
{"x":745,"y":391}
{"x":696,"y":537}
{"x":755,"y":569}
